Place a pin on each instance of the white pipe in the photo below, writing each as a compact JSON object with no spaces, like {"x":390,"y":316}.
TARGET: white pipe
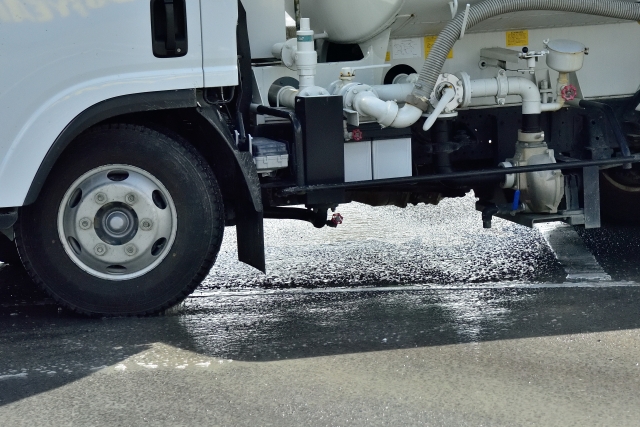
{"x":405,"y":78}
{"x":407,"y":116}
{"x":386,"y":113}
{"x":368,"y":104}
{"x":484,"y":87}
{"x":394,"y":92}
{"x":529,"y":92}
{"x":287,"y":97}
{"x":520,"y":86}
{"x":552,"y":106}
{"x":306,"y":56}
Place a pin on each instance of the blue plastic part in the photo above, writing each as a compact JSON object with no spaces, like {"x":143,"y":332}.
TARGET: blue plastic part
{"x":516,"y":201}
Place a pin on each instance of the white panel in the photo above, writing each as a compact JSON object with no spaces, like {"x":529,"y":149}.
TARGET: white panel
{"x":357,"y":161}
{"x":391,"y":158}
{"x":267,"y":26}
{"x":60,"y":58}
{"x":219,"y":51}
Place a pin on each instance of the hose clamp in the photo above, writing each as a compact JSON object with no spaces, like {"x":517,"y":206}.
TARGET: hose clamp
{"x":503,"y":87}
{"x":418,"y":102}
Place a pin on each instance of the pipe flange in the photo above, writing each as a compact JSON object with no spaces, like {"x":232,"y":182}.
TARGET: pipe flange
{"x":350,"y":90}
{"x":288,"y":54}
{"x":465,"y":81}
{"x":313,"y":91}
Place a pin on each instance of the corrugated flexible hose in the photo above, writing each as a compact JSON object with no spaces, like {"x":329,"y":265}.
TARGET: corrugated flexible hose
{"x":435,"y":61}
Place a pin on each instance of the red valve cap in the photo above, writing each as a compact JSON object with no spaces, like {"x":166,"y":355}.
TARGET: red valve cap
{"x":569,"y":92}
{"x":337,"y":219}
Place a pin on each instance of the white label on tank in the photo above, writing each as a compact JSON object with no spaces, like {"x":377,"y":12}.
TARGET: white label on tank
{"x":406,"y":48}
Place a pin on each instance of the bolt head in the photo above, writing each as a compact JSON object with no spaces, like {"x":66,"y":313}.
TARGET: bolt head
{"x":85,"y":223}
{"x":130,"y":250}
{"x":146,"y":224}
{"x":130,"y":198}
{"x":100,"y":249}
{"x":100,"y":198}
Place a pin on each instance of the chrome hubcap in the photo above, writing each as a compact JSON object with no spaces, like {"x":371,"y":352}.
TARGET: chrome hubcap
{"x":117,"y":222}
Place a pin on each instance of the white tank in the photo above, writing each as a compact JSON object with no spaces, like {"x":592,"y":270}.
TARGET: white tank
{"x":350,"y":21}
{"x":356,"y":21}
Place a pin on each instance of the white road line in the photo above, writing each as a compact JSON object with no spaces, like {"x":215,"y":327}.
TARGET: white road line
{"x":578,"y":262}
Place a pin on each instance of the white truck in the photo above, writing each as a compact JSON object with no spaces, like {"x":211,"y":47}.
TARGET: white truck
{"x":133,"y":131}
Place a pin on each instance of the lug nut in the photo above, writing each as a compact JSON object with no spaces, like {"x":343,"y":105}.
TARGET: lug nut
{"x":85,"y":223}
{"x":146,"y":224}
{"x":100,"y":198}
{"x":130,"y":198}
{"x":100,"y":249}
{"x":130,"y":250}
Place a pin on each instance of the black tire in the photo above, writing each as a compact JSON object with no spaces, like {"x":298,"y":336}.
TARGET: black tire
{"x":9,"y":252}
{"x":620,"y":196}
{"x":198,"y":207}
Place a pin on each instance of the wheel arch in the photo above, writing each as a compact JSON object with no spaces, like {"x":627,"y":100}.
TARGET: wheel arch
{"x":186,"y":113}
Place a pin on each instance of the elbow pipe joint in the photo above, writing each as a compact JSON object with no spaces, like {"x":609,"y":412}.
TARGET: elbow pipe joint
{"x":387,"y":113}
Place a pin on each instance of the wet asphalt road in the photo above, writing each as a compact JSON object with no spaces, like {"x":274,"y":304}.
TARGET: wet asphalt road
{"x":414,"y":317}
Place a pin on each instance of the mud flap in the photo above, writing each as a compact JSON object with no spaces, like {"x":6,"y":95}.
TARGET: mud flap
{"x":249,"y":215}
{"x":250,"y":234}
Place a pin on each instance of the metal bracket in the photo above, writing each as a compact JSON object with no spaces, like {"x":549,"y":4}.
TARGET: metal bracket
{"x":464,"y":20}
{"x":591,"y":185}
{"x":453,"y":6}
{"x":8,"y":218}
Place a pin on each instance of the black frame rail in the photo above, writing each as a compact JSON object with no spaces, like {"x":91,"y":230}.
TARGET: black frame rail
{"x":357,"y":185}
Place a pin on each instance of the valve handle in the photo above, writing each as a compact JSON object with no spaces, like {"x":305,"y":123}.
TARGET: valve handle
{"x":447,"y":96}
{"x":569,"y":92}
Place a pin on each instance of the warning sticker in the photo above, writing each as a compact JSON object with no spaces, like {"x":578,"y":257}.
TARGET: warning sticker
{"x":388,"y":57}
{"x":428,"y":45}
{"x":517,"y":38}
{"x":406,"y":48}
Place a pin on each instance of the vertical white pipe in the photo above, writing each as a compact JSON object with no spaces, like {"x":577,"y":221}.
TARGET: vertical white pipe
{"x":306,"y":56}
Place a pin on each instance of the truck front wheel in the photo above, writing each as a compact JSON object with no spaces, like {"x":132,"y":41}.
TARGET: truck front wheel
{"x":129,"y":223}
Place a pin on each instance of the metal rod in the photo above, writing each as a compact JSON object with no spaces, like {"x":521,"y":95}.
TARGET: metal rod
{"x":458,"y":175}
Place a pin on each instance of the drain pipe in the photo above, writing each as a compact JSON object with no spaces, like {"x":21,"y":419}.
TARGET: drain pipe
{"x":432,"y":67}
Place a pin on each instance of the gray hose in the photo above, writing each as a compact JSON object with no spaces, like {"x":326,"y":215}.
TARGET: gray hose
{"x":435,"y":61}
